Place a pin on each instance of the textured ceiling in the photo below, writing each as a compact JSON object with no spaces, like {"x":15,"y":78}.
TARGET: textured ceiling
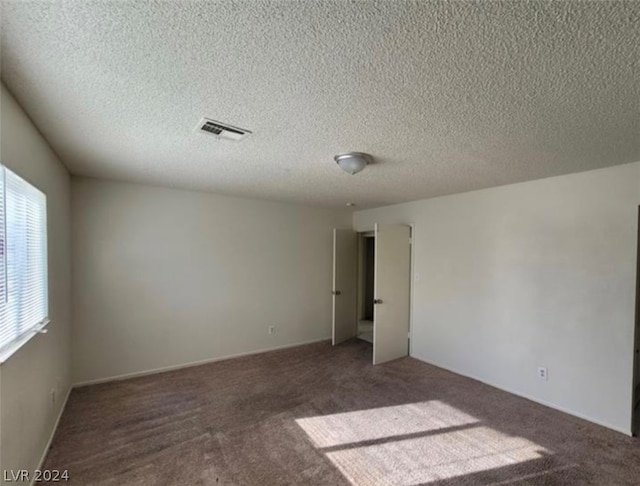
{"x":447,"y":96}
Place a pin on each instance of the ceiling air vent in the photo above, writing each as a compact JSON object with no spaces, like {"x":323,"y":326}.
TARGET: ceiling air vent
{"x":222,"y":130}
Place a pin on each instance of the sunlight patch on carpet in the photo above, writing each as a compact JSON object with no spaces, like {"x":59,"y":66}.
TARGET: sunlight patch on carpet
{"x":380,"y":423}
{"x":433,"y":458}
{"x":413,"y":444}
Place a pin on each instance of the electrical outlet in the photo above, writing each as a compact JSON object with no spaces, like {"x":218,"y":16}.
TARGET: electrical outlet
{"x":543,"y":374}
{"x":272,"y":329}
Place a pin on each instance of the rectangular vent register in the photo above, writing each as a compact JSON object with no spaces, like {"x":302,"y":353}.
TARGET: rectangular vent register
{"x":222,"y":130}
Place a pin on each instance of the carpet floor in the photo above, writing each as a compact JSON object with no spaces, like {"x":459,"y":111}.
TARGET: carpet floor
{"x":322,"y":415}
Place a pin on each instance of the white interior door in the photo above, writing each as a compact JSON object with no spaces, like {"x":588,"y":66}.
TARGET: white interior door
{"x":345,"y":284}
{"x":392,"y":283}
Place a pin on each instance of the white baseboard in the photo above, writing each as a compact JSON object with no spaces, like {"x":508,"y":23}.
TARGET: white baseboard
{"x":53,"y":432}
{"x":193,"y":363}
{"x":529,"y":397}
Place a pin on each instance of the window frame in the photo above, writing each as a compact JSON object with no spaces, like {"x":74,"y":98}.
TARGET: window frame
{"x":20,"y":339}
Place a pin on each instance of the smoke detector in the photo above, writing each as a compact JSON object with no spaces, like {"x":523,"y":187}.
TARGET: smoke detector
{"x":221,"y":130}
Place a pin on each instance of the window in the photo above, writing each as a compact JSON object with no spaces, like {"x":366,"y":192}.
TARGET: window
{"x":23,"y":261}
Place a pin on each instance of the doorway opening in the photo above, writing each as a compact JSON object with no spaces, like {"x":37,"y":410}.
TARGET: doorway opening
{"x":366,"y":276}
{"x":371,"y":296}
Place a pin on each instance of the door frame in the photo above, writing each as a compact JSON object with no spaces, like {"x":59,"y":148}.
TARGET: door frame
{"x":370,"y":230}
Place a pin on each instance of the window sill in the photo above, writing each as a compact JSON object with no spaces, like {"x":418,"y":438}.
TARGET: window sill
{"x":14,"y":346}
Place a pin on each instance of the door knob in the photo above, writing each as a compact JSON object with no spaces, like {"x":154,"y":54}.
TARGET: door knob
{"x":336,"y":292}
{"x":377,"y":301}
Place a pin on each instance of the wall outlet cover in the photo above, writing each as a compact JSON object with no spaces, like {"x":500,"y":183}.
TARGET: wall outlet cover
{"x":543,"y":373}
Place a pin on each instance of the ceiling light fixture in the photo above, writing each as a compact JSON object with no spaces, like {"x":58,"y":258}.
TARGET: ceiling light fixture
{"x":353,"y":162}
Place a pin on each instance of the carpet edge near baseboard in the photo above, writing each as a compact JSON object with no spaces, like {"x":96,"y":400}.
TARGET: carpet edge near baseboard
{"x":54,"y":429}
{"x":190,"y":364}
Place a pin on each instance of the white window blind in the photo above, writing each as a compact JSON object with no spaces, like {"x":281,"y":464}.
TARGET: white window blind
{"x":23,"y":260}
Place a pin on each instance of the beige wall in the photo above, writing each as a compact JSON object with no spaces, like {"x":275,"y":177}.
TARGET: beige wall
{"x":27,"y":416}
{"x":534,"y":274}
{"x":166,"y":277}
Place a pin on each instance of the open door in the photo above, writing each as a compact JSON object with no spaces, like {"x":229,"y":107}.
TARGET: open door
{"x":345,"y":278}
{"x":391,"y":288}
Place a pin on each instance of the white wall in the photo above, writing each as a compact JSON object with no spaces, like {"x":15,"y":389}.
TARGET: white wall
{"x":534,"y":274}
{"x":27,"y":416}
{"x":165,"y":277}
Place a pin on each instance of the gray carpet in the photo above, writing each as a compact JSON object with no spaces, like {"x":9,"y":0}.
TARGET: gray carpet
{"x":321,"y":415}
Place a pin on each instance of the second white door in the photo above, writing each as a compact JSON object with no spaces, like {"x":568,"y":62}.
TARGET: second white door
{"x":392,"y":283}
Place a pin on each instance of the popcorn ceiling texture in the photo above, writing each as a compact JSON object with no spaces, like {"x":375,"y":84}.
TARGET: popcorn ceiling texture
{"x":447,"y":96}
